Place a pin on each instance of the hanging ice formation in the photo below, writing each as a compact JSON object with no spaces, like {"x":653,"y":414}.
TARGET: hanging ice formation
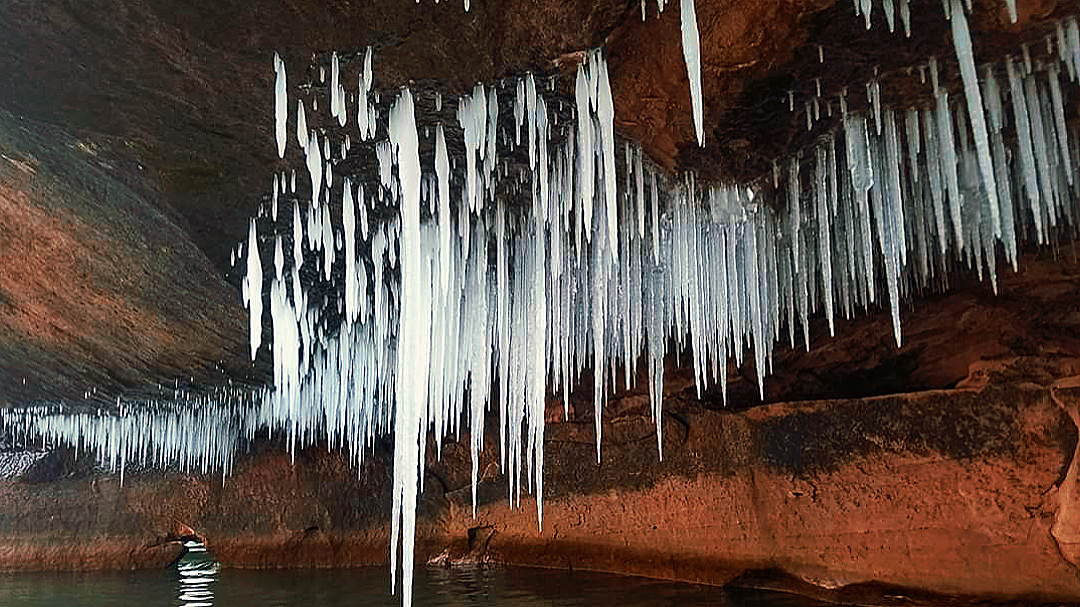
{"x":691,"y":43}
{"x":409,"y":289}
{"x":281,"y":102}
{"x":691,"y":46}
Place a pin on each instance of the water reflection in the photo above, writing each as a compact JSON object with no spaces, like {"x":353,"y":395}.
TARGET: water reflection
{"x":199,"y":581}
{"x":198,"y":572}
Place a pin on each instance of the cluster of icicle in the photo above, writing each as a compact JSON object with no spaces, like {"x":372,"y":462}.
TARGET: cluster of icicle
{"x":459,"y":301}
{"x":155,"y":433}
{"x":472,"y":302}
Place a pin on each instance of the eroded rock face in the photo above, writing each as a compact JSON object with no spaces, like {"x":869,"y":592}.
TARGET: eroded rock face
{"x":951,"y":491}
{"x":99,"y":286}
{"x":941,"y":490}
{"x":1066,"y":529}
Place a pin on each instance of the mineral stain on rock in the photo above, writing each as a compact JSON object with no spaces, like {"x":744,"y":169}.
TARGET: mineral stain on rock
{"x":956,"y":424}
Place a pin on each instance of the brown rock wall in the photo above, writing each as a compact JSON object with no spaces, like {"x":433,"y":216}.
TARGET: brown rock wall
{"x":952,"y":491}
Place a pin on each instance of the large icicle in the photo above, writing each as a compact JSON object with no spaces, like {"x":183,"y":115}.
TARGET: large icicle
{"x":821,"y":198}
{"x":1023,"y":135}
{"x":966,"y":58}
{"x":442,"y":171}
{"x":412,"y":345}
{"x":605,"y":113}
{"x":691,"y":43}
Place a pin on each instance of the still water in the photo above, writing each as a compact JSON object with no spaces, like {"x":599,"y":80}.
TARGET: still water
{"x":198,"y":581}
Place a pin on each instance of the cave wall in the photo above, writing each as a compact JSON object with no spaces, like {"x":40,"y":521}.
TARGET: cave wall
{"x":958,"y":491}
{"x":947,"y":464}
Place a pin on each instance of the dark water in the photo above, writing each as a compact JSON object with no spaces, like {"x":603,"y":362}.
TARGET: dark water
{"x":197,"y":581}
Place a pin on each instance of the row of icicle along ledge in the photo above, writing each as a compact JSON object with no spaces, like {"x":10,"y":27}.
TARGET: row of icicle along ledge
{"x":409,"y":289}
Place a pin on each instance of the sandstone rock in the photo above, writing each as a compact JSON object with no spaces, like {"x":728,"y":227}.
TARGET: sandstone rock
{"x":954,"y":491}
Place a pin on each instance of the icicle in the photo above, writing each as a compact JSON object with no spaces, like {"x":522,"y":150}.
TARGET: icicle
{"x":1039,"y":145}
{"x":1023,"y":135}
{"x":348,"y":225}
{"x":992,"y":95}
{"x":252,"y":289}
{"x":301,"y":125}
{"x":862,"y":179}
{"x":873,"y":91}
{"x":894,"y":220}
{"x":412,"y":349}
{"x":655,"y":219}
{"x":605,"y":113}
{"x":315,"y":166}
{"x":365,"y":118}
{"x":442,"y":170}
{"x":1059,"y":121}
{"x":948,"y":165}
{"x":281,"y":101}
{"x":273,"y":202}
{"x":585,"y":151}
{"x":911,"y":131}
{"x":1064,"y":53}
{"x":966,"y":58}
{"x":821,"y":196}
{"x":335,"y":71}
{"x":639,"y":180}
{"x":1072,"y":32}
{"x":692,"y":54}
{"x":793,"y":205}
{"x":298,"y":237}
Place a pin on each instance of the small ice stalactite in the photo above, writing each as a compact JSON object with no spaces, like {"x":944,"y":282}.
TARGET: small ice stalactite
{"x":281,"y":103}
